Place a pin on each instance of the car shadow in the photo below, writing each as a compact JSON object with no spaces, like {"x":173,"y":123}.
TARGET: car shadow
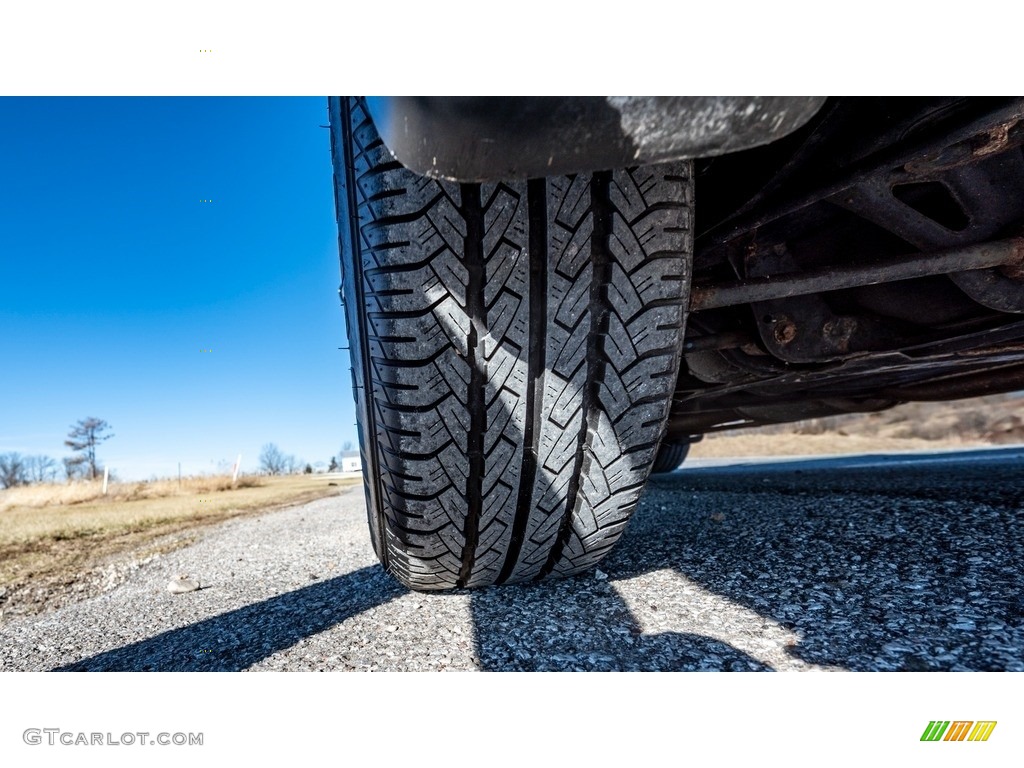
{"x":890,"y":566}
{"x":582,"y":624}
{"x":908,"y":567}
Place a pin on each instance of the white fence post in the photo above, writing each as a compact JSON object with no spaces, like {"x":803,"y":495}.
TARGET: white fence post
{"x":234,"y":473}
{"x":106,"y":474}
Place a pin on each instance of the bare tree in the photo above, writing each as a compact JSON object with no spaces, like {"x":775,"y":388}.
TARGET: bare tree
{"x":12,"y":470}
{"x":274,"y":462}
{"x":346,"y":446}
{"x":74,"y":466}
{"x":40,"y":469}
{"x":83,"y":438}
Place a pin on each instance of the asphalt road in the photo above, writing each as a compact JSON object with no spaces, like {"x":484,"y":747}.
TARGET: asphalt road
{"x":863,"y":563}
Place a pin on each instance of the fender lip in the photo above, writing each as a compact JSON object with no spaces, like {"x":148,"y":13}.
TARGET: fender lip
{"x":490,"y":138}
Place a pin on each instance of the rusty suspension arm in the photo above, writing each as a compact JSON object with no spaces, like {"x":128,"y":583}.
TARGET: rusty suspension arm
{"x":1008,"y":254}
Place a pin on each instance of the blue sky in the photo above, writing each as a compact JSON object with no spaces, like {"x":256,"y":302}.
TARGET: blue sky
{"x":115,"y":275}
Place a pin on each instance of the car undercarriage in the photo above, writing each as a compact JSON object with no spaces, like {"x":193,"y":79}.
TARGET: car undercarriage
{"x":869,"y":258}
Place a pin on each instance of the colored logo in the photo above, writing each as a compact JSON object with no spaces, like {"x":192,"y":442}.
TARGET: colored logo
{"x":958,"y":730}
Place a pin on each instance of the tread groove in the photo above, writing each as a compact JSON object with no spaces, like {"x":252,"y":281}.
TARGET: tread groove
{"x":473,"y":213}
{"x":536,"y":200}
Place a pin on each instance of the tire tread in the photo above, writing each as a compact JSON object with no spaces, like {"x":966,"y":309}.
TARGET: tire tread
{"x":515,"y":346}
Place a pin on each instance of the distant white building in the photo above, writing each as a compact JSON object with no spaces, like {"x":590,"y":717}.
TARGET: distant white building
{"x":351,"y":462}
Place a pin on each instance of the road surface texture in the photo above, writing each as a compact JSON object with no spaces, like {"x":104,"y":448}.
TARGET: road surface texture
{"x":848,"y":564}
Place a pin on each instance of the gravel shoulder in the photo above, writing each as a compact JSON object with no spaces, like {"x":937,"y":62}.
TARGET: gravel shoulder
{"x":803,"y":567}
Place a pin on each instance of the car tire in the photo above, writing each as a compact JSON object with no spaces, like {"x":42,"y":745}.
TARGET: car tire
{"x":670,"y":456}
{"x":515,"y":348}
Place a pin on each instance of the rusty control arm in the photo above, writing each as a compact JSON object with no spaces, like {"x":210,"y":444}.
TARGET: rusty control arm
{"x":1000,"y":253}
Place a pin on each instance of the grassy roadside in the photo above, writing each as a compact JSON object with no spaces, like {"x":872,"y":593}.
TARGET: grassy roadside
{"x":50,"y":536}
{"x":781,"y":444}
{"x":960,"y":424}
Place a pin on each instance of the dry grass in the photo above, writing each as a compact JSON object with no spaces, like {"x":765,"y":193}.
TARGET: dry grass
{"x":782,"y":444}
{"x":75,"y":511}
{"x":978,"y":422}
{"x":50,"y":533}
{"x":65,"y":494}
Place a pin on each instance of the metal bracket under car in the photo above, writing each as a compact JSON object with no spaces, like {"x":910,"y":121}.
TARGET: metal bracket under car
{"x":491,"y":138}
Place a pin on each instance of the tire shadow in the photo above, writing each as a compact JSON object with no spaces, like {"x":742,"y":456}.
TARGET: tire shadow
{"x":237,"y":639}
